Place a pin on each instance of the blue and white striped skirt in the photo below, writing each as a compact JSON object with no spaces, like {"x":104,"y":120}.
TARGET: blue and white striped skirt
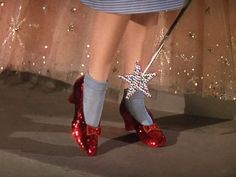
{"x":134,"y":6}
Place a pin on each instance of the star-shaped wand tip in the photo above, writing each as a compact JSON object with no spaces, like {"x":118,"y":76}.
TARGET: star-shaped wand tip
{"x":137,"y":81}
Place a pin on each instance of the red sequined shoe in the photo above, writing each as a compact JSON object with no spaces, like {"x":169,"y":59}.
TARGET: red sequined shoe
{"x":150,"y":135}
{"x":85,"y":135}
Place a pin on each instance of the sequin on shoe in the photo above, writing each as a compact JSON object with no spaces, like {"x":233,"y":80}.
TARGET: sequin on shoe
{"x":151,"y":135}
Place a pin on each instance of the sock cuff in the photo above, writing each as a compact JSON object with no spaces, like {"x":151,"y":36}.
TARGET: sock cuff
{"x":94,"y":84}
{"x":137,"y":95}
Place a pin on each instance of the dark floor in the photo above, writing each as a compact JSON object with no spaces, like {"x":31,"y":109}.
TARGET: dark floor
{"x":35,"y":140}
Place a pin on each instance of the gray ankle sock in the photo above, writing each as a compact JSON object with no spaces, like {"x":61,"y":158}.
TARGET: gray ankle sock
{"x":94,"y":96}
{"x":136,"y":106}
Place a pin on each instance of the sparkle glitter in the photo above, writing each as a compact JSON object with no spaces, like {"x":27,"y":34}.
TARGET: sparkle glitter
{"x":2,"y":4}
{"x":45,"y":46}
{"x":1,"y":68}
{"x":71,"y":28}
{"x":210,"y":50}
{"x":82,"y":65}
{"x":33,"y":25}
{"x":192,"y":35}
{"x":73,"y":10}
{"x":13,"y":31}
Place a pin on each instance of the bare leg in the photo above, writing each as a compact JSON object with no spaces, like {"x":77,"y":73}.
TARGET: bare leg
{"x":134,"y":40}
{"x":108,"y":30}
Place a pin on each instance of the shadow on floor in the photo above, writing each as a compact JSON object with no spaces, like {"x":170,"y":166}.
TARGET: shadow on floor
{"x":171,"y":126}
{"x":13,"y":108}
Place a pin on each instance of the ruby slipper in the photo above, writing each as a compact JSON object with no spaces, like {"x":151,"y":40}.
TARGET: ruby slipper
{"x":151,"y":135}
{"x":85,"y":135}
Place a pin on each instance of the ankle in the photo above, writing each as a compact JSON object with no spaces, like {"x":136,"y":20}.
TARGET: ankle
{"x":136,"y":106}
{"x":95,"y":84}
{"x":99,"y":77}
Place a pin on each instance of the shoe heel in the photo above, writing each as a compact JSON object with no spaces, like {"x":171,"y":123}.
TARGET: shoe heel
{"x":71,"y":99}
{"x":129,"y":126}
{"x":128,"y":121}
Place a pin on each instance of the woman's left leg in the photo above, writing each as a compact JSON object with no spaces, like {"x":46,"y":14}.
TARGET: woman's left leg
{"x":133,"y":110}
{"x":135,"y":35}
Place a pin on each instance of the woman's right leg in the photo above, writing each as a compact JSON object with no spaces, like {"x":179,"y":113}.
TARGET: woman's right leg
{"x":106,"y":35}
{"x":107,"y":32}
